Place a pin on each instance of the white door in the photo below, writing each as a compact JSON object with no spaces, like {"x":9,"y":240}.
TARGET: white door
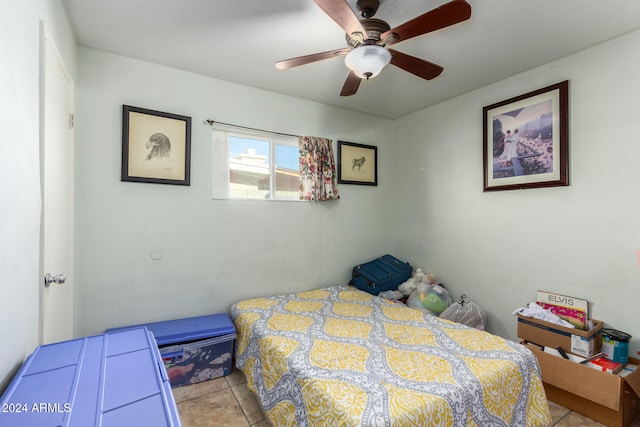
{"x":57,"y":180}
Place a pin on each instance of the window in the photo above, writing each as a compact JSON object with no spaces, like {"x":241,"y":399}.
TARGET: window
{"x":255,"y":166}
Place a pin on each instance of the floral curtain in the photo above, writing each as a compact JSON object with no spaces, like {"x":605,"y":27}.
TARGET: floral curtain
{"x":317,"y":169}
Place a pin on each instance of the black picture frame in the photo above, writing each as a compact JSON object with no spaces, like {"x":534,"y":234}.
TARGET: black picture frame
{"x":536,"y":154}
{"x":156,"y":146}
{"x":357,"y":164}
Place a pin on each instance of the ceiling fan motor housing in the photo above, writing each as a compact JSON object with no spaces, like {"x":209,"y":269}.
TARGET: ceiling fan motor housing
{"x":373,"y":27}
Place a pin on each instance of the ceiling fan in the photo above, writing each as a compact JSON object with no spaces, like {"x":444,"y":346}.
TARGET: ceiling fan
{"x":368,"y":39}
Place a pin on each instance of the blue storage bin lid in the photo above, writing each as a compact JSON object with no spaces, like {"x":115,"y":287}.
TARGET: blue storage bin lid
{"x":187,"y":329}
{"x":110,"y":380}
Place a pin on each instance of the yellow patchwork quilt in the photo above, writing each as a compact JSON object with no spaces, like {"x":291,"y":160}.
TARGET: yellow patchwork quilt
{"x":338,"y":356}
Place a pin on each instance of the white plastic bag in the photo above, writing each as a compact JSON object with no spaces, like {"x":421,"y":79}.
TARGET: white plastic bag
{"x":466,"y":312}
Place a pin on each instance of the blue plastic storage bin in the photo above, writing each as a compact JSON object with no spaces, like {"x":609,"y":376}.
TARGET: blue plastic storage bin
{"x":110,"y":380}
{"x":194,"y":349}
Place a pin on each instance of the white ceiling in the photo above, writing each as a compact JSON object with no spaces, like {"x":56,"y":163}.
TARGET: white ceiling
{"x":240,"y":41}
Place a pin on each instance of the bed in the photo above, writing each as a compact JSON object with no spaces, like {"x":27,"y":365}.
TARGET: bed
{"x":338,"y":356}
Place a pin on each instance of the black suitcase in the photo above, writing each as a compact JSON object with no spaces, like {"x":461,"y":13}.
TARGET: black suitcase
{"x":382,"y":274}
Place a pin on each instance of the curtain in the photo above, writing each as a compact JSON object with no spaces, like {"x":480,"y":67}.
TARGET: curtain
{"x":317,"y":169}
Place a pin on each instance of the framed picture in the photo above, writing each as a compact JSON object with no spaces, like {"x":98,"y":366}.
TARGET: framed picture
{"x":357,"y":164}
{"x":525,"y":143}
{"x":156,"y":146}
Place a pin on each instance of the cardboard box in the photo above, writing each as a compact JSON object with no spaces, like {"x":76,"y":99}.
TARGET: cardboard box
{"x":582,"y":343}
{"x":604,"y":397}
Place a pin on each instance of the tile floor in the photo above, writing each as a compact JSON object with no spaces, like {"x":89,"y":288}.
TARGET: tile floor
{"x":227,"y":402}
{"x":224,"y":401}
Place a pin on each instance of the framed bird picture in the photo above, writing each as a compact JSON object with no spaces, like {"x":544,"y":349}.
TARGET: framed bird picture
{"x":357,"y":163}
{"x":156,"y":146}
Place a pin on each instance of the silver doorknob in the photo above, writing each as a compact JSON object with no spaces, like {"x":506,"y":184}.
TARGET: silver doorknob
{"x":49,"y":279}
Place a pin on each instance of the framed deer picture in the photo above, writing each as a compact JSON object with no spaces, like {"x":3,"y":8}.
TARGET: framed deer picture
{"x":357,"y":163}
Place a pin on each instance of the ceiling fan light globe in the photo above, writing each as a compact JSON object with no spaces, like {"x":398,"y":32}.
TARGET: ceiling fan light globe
{"x":367,"y":61}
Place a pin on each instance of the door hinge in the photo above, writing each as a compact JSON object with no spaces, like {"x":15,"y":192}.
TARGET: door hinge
{"x":72,"y":120}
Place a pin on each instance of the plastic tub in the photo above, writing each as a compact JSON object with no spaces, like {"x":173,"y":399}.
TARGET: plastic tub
{"x":615,"y":345}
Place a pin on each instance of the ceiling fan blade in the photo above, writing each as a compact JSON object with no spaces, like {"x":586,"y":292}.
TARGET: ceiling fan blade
{"x":341,"y":13}
{"x":308,"y":59}
{"x":351,"y":84}
{"x":448,"y":14}
{"x":416,"y":66}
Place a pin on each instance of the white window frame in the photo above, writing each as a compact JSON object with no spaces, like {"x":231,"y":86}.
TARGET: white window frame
{"x":221,"y":166}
